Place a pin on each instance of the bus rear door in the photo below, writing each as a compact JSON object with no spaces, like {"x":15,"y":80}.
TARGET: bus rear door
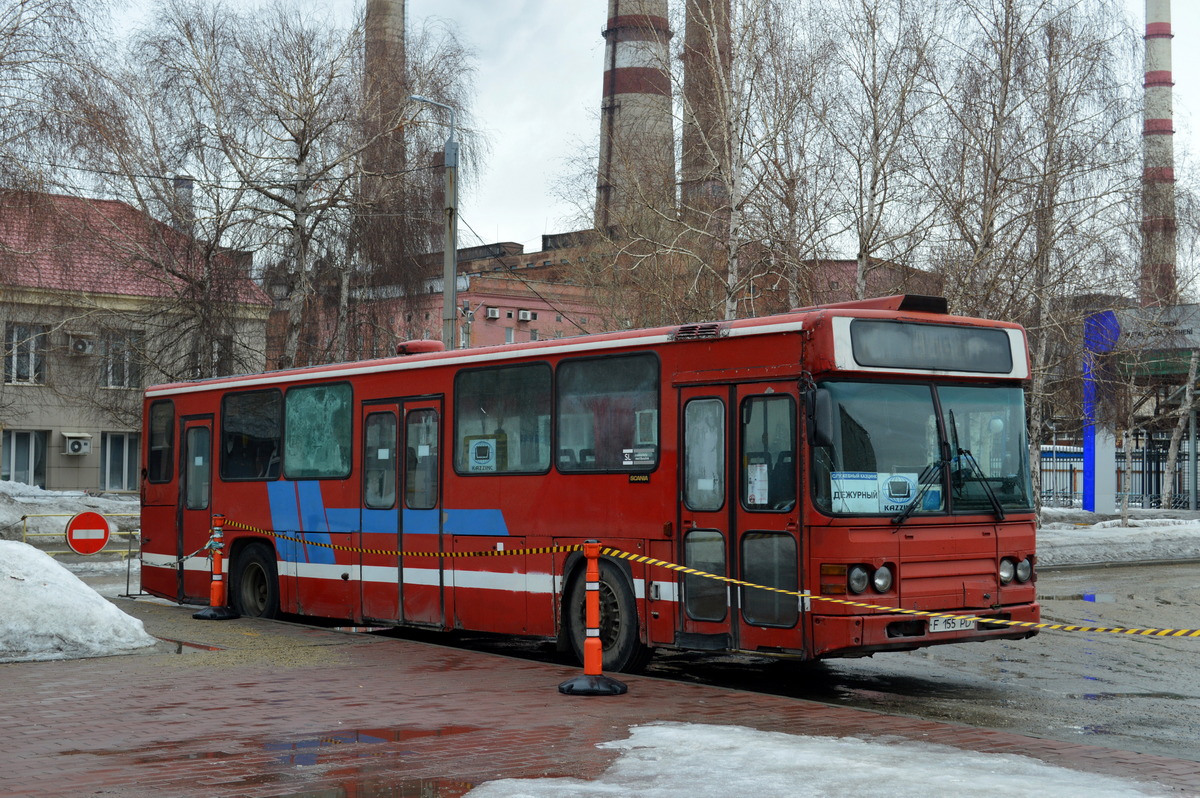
{"x":195,"y":515}
{"x":739,"y":516}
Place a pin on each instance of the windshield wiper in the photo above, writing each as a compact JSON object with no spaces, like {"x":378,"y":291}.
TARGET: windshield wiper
{"x":922,"y":489}
{"x":997,"y":508}
{"x":965,"y":454}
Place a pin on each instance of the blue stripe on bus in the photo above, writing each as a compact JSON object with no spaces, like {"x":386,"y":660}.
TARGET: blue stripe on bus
{"x":421,"y":522}
{"x":300,"y":506}
{"x":281,"y":499}
{"x":379,"y":522}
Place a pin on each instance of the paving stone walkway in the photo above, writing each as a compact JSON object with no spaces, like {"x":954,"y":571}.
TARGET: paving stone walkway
{"x":259,"y":708}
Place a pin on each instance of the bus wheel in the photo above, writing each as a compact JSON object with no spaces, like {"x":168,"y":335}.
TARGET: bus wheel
{"x":254,"y":583}
{"x":623,"y":651}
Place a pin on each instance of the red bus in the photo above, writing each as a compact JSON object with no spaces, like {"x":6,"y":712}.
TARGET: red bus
{"x":873,"y":452}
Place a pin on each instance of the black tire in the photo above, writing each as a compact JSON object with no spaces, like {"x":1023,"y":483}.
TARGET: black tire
{"x":623,"y":651}
{"x":254,"y":582}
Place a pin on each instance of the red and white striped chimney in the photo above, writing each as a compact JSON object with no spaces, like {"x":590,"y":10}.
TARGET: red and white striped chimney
{"x":1158,"y":281}
{"x":707,"y":96}
{"x":637,"y":140}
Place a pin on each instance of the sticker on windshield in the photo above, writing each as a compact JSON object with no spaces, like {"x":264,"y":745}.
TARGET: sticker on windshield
{"x":873,"y":492}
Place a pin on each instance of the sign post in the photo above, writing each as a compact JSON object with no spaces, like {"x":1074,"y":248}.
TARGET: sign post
{"x":88,"y":532}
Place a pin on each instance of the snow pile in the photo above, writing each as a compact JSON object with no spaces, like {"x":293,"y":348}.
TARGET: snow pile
{"x":18,"y":500}
{"x":1073,"y":537}
{"x":685,"y":760}
{"x":50,"y":614}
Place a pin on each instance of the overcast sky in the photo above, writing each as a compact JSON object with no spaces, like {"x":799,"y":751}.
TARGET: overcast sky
{"x":540,"y":66}
{"x":538,"y":95}
{"x":537,"y":99}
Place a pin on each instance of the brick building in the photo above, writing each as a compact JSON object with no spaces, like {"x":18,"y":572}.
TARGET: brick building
{"x":97,"y":300}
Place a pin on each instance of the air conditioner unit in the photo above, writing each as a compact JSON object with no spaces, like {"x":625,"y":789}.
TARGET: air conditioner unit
{"x":524,"y":315}
{"x":77,"y":443}
{"x":493,"y":313}
{"x":82,"y":345}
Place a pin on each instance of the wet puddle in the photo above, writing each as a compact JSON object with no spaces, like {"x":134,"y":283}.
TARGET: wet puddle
{"x":403,"y":788}
{"x":309,"y":752}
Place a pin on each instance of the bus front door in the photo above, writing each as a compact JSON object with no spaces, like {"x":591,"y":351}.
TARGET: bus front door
{"x":739,"y":517}
{"x":195,"y":514}
{"x":402,"y":575}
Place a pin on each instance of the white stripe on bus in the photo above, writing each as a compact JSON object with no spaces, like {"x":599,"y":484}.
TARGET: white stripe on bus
{"x":480,"y":580}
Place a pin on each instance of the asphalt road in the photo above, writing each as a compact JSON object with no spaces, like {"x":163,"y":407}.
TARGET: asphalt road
{"x":1132,"y":693}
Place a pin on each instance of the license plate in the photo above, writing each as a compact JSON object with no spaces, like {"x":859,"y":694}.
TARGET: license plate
{"x":951,"y":625}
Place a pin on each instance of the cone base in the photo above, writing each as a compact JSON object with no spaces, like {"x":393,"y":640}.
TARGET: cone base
{"x":216,"y":614}
{"x":592,"y":685}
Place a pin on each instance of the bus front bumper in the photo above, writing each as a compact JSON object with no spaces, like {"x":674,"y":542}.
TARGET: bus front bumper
{"x":860,"y":635}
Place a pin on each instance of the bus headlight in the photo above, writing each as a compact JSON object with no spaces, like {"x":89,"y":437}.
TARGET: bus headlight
{"x":1024,"y":570}
{"x":1008,"y":570}
{"x":882,"y":580}
{"x":858,"y":577}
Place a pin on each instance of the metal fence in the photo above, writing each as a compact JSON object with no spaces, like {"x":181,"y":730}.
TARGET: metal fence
{"x":1062,"y":477}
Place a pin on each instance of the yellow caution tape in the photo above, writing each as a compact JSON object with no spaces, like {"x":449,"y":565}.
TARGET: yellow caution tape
{"x":642,"y":559}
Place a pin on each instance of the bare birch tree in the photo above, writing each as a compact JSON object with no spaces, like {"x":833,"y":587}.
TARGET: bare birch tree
{"x":881,"y":63}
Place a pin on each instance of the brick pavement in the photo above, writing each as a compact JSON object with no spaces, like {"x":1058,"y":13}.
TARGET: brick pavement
{"x":280,"y":709}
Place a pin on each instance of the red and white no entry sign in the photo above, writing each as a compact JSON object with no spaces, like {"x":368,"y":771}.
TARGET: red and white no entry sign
{"x":88,"y":532}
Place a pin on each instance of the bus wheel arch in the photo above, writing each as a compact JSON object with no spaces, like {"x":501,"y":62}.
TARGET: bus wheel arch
{"x":254,"y":580}
{"x":620,"y":624}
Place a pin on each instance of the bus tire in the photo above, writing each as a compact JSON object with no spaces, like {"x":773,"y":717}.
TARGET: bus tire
{"x":623,"y":650}
{"x":254,"y":582}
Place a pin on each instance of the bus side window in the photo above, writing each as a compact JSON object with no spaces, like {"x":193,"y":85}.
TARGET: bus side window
{"x":318,"y":429}
{"x":421,"y":474}
{"x":379,"y":461}
{"x":768,"y":470}
{"x":608,"y":412}
{"x":250,"y":423}
{"x":159,"y":466}
{"x":502,"y":420}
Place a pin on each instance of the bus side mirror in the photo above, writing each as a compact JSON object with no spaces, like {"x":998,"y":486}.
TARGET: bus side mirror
{"x":820,"y":417}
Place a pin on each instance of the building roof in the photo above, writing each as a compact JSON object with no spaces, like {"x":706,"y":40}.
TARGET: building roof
{"x":55,"y":242}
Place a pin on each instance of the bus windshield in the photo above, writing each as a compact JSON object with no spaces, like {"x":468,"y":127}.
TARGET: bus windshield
{"x":907,"y":449}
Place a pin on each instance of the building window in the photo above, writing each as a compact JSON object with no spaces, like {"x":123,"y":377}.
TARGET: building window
{"x":508,"y":335}
{"x":122,"y":361}
{"x":23,"y":456}
{"x":217,"y":361}
{"x":533,"y":335}
{"x":119,"y":456}
{"x":25,"y":353}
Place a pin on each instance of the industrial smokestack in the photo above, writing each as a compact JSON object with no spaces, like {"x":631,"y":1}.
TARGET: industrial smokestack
{"x":704,"y":170}
{"x":637,"y":142}
{"x":1158,"y":280}
{"x":385,"y":92}
{"x":183,"y":212}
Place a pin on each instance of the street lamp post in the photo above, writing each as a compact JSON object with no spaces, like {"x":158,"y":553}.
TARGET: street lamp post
{"x":450,"y":252}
